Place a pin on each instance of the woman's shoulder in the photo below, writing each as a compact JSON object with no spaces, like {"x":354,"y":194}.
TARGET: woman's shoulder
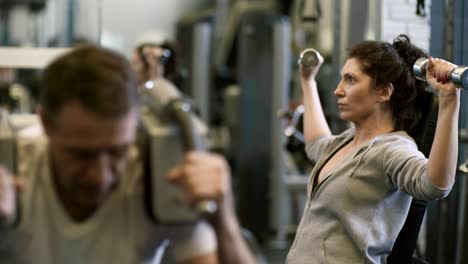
{"x":396,"y":137}
{"x":395,"y":143}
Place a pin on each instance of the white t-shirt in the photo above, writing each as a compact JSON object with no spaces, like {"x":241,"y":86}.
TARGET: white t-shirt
{"x":119,"y":232}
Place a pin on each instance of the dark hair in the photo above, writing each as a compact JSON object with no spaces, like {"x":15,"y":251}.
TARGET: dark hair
{"x":101,"y":80}
{"x":393,"y":63}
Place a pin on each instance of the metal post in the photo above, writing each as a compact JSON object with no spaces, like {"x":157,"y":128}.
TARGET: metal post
{"x":448,"y":217}
{"x":4,"y":26}
{"x":435,"y":231}
{"x":99,"y":14}
{"x":437,"y":23}
{"x":70,"y":23}
{"x":279,"y":196}
{"x":201,"y":69}
{"x":357,"y":22}
{"x":336,"y":37}
{"x":460,"y":57}
{"x":71,"y":20}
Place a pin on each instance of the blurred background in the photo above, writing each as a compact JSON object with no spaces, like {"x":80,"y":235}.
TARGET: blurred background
{"x":237,"y":60}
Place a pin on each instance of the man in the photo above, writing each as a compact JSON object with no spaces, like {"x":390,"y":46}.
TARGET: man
{"x":82,"y":201}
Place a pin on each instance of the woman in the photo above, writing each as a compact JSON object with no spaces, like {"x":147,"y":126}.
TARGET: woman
{"x":360,"y":189}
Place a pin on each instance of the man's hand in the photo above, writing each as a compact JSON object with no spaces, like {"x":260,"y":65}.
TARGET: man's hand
{"x":203,"y":176}
{"x":207,"y":176}
{"x":9,"y":186}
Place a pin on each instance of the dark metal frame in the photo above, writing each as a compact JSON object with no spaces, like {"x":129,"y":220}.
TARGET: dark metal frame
{"x":447,"y":239}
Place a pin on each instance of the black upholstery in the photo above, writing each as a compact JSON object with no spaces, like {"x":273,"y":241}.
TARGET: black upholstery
{"x":423,"y":134}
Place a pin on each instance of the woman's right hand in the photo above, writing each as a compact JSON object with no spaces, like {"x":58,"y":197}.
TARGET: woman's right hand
{"x":9,"y":187}
{"x":309,"y":64}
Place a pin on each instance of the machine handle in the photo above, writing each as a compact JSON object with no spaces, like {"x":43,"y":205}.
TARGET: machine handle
{"x":291,"y":130}
{"x":182,"y":111}
{"x":464,"y":167}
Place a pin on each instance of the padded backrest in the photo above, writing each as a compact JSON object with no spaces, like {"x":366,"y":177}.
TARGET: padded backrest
{"x":423,"y":134}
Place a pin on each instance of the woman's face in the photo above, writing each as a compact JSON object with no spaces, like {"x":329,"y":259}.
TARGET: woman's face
{"x":357,"y":97}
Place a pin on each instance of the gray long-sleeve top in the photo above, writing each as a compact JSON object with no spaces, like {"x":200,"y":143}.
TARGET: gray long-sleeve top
{"x":356,"y":212}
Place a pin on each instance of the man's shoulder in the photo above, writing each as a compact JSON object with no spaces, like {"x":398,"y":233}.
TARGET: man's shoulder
{"x":30,"y":154}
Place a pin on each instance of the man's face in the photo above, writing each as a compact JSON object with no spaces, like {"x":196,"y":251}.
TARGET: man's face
{"x":88,"y":154}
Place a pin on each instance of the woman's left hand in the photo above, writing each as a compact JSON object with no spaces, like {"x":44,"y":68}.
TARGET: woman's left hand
{"x":438,"y":76}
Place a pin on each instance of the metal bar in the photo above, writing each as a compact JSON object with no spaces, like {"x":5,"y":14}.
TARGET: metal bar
{"x":279,"y":217}
{"x":449,"y":30}
{"x":460,"y":55}
{"x":4,"y":27}
{"x":336,"y":37}
{"x":357,"y":22}
{"x":434,"y":234}
{"x":201,"y":69}
{"x":297,"y":183}
{"x":437,"y":23}
{"x":70,"y":23}
{"x":99,"y":14}
{"x":29,"y":58}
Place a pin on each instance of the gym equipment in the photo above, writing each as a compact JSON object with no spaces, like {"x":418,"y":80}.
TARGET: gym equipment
{"x":459,"y":75}
{"x":7,"y":142}
{"x":193,"y":64}
{"x":263,"y":72}
{"x":406,"y":242}
{"x":447,"y":235}
{"x":169,"y":128}
{"x":32,"y":4}
{"x":291,"y":130}
{"x":464,"y":167}
{"x":167,"y":118}
{"x":310,"y":59}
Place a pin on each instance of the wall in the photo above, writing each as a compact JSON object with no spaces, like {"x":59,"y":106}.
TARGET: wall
{"x":399,"y":16}
{"x":123,"y":21}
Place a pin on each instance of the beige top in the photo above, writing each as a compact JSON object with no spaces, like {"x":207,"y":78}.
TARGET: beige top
{"x":356,"y":212}
{"x":119,"y":232}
